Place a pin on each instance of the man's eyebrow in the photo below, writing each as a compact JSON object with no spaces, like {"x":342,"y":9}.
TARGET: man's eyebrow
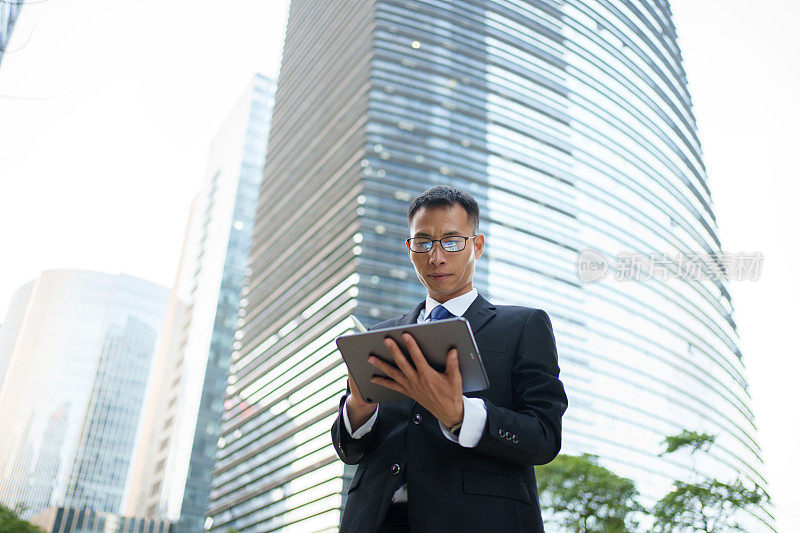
{"x":428,"y":235}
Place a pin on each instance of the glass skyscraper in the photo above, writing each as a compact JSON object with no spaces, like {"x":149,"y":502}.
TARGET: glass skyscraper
{"x":9,"y":11}
{"x":571,"y":124}
{"x":11,"y":327}
{"x":83,"y":520}
{"x":71,"y":398}
{"x":172,"y":475}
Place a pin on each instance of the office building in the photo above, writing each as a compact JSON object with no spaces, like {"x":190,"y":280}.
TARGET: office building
{"x":11,"y":327}
{"x":72,"y":394}
{"x":172,"y":474}
{"x":81,"y":520}
{"x":9,"y":11}
{"x":571,"y":124}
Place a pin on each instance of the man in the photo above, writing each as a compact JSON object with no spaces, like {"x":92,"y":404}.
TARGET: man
{"x":442,"y":460}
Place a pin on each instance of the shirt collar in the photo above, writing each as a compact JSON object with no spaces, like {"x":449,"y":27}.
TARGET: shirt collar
{"x":457,"y":306}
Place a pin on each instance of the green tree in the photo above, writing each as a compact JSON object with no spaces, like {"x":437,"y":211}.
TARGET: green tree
{"x":10,"y":521}
{"x":707,"y":504}
{"x":692,"y":440}
{"x":586,"y":497}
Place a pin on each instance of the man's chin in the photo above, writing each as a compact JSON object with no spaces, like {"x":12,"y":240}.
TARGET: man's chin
{"x":437,"y":295}
{"x":441,"y":294}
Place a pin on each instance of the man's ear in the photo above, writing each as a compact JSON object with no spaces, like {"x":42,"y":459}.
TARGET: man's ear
{"x":480,"y":242}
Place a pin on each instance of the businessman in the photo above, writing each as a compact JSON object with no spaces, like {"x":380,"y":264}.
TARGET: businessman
{"x":443,"y":460}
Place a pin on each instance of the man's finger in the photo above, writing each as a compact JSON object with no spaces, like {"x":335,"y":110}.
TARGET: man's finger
{"x":451,"y":366}
{"x":389,"y":384}
{"x":353,"y":387}
{"x":402,"y":363}
{"x":386,"y":368}
{"x":416,"y":354}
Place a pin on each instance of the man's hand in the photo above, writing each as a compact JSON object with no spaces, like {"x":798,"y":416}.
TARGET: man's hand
{"x":358,"y":411}
{"x":439,"y":393}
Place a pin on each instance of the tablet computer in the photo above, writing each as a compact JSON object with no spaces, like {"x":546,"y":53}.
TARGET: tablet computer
{"x":435,"y":339}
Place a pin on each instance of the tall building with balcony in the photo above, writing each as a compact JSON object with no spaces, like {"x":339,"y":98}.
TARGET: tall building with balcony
{"x":172,"y":473}
{"x":9,"y":11}
{"x":572,"y":125}
{"x":75,"y":378}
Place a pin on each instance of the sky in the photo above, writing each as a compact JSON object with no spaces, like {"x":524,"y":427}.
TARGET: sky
{"x":107,"y":109}
{"x":744,"y":78}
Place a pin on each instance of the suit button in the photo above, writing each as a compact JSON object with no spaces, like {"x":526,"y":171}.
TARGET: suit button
{"x":395,"y":469}
{"x":417,"y":418}
{"x":514,"y":439}
{"x":508,"y":436}
{"x":501,"y":433}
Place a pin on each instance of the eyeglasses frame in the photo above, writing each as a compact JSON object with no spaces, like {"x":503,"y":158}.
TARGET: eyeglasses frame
{"x":434,"y":241}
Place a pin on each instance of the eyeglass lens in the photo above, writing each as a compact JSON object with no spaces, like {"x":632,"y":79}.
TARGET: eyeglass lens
{"x":450,"y":244}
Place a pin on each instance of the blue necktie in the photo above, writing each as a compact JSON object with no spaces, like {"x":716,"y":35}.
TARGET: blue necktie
{"x":440,"y":312}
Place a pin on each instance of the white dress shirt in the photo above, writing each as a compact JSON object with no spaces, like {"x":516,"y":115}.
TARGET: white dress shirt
{"x":474,"y":408}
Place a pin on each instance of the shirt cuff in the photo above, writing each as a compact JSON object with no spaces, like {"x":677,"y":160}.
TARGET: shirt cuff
{"x":472,"y":426}
{"x":367,"y":427}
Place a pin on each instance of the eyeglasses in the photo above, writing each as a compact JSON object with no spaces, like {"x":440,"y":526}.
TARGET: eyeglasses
{"x":423,"y":245}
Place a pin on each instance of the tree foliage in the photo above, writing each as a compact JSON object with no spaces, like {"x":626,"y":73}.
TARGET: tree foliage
{"x":708,"y":504}
{"x":10,"y":521}
{"x":692,"y":440}
{"x":586,"y":497}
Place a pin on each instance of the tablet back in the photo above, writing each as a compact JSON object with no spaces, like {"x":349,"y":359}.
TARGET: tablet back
{"x":435,"y":339}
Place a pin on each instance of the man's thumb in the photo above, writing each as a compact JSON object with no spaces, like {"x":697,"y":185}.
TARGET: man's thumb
{"x":451,"y":365}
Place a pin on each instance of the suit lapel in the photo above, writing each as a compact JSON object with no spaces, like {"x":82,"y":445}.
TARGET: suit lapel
{"x":479,"y":313}
{"x":411,"y":316}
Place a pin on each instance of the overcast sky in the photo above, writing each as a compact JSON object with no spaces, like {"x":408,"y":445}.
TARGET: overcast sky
{"x":744,"y":77}
{"x":107,"y":108}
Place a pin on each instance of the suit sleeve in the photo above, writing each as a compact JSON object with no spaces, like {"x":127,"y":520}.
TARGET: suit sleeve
{"x":530,"y":432}
{"x":349,"y":450}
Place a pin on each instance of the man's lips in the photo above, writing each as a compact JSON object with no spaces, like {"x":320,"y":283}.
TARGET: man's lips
{"x":438,"y":276}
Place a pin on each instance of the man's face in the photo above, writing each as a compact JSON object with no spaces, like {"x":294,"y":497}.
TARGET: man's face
{"x":445,"y":274}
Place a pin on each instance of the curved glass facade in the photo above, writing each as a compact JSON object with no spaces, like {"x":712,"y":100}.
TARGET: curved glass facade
{"x":74,"y":387}
{"x":571,"y":124}
{"x":11,"y":325}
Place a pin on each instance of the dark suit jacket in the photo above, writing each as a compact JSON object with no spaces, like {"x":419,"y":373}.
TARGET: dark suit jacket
{"x":491,"y":487}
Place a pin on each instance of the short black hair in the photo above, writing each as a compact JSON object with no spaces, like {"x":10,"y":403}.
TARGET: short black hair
{"x":446,"y":196}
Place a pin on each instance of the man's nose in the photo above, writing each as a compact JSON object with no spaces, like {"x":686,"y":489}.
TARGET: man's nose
{"x":437,"y":254}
